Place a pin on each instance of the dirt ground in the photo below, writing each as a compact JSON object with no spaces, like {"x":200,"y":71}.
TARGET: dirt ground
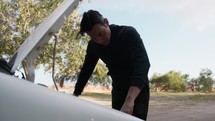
{"x":174,"y":107}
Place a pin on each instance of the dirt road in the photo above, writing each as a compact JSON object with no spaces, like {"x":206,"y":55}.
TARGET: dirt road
{"x":181,"y":109}
{"x":174,"y":107}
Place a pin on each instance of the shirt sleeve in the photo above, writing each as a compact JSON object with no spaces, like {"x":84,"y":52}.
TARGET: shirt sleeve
{"x":139,"y":59}
{"x":86,"y":70}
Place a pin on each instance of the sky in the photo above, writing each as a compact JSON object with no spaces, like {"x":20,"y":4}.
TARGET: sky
{"x":179,"y":35}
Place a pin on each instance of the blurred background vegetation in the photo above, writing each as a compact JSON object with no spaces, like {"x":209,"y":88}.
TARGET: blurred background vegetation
{"x":19,"y":18}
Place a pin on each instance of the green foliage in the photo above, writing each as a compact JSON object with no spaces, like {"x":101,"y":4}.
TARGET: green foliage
{"x":193,"y":84}
{"x":205,"y":80}
{"x":204,"y":83}
{"x":171,"y":81}
{"x":99,"y":76}
{"x":19,"y":18}
{"x":177,"y":82}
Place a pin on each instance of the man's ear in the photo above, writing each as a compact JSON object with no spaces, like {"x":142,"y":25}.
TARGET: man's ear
{"x":106,"y":22}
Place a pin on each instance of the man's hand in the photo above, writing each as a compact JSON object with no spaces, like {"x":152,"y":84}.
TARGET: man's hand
{"x":129,"y":101}
{"x":128,"y":107}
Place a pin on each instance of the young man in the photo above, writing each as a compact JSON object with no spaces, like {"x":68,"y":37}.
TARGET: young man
{"x":123,"y":52}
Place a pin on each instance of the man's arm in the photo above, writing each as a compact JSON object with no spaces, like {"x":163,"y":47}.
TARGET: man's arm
{"x":86,"y":71}
{"x":139,"y":60}
{"x":129,"y":101}
{"x":140,"y":64}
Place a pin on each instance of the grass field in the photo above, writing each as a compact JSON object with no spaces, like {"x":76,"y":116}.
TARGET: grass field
{"x":195,"y":96}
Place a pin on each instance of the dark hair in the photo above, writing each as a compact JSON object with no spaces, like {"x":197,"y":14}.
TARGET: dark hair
{"x":90,"y":18}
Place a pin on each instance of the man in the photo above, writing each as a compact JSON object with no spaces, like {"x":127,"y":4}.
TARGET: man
{"x":123,"y":52}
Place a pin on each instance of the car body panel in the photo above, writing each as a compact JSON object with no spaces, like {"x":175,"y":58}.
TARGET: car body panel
{"x":21,"y":100}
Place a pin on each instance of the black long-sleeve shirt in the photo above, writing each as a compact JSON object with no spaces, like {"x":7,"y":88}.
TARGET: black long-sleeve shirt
{"x":125,"y":57}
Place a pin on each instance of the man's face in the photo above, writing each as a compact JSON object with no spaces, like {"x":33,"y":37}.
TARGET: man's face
{"x":100,"y":33}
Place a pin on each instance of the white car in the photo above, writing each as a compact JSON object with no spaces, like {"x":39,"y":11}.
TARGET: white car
{"x":21,"y":100}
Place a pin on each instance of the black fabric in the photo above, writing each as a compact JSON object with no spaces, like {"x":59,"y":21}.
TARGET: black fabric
{"x":141,"y":103}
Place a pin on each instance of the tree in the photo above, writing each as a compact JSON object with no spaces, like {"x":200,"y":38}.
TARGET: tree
{"x":19,"y":18}
{"x":18,"y":21}
{"x":205,"y":80}
{"x":194,"y":84}
{"x":178,"y":81}
{"x":171,"y":81}
{"x":159,"y":82}
{"x":99,"y":76}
